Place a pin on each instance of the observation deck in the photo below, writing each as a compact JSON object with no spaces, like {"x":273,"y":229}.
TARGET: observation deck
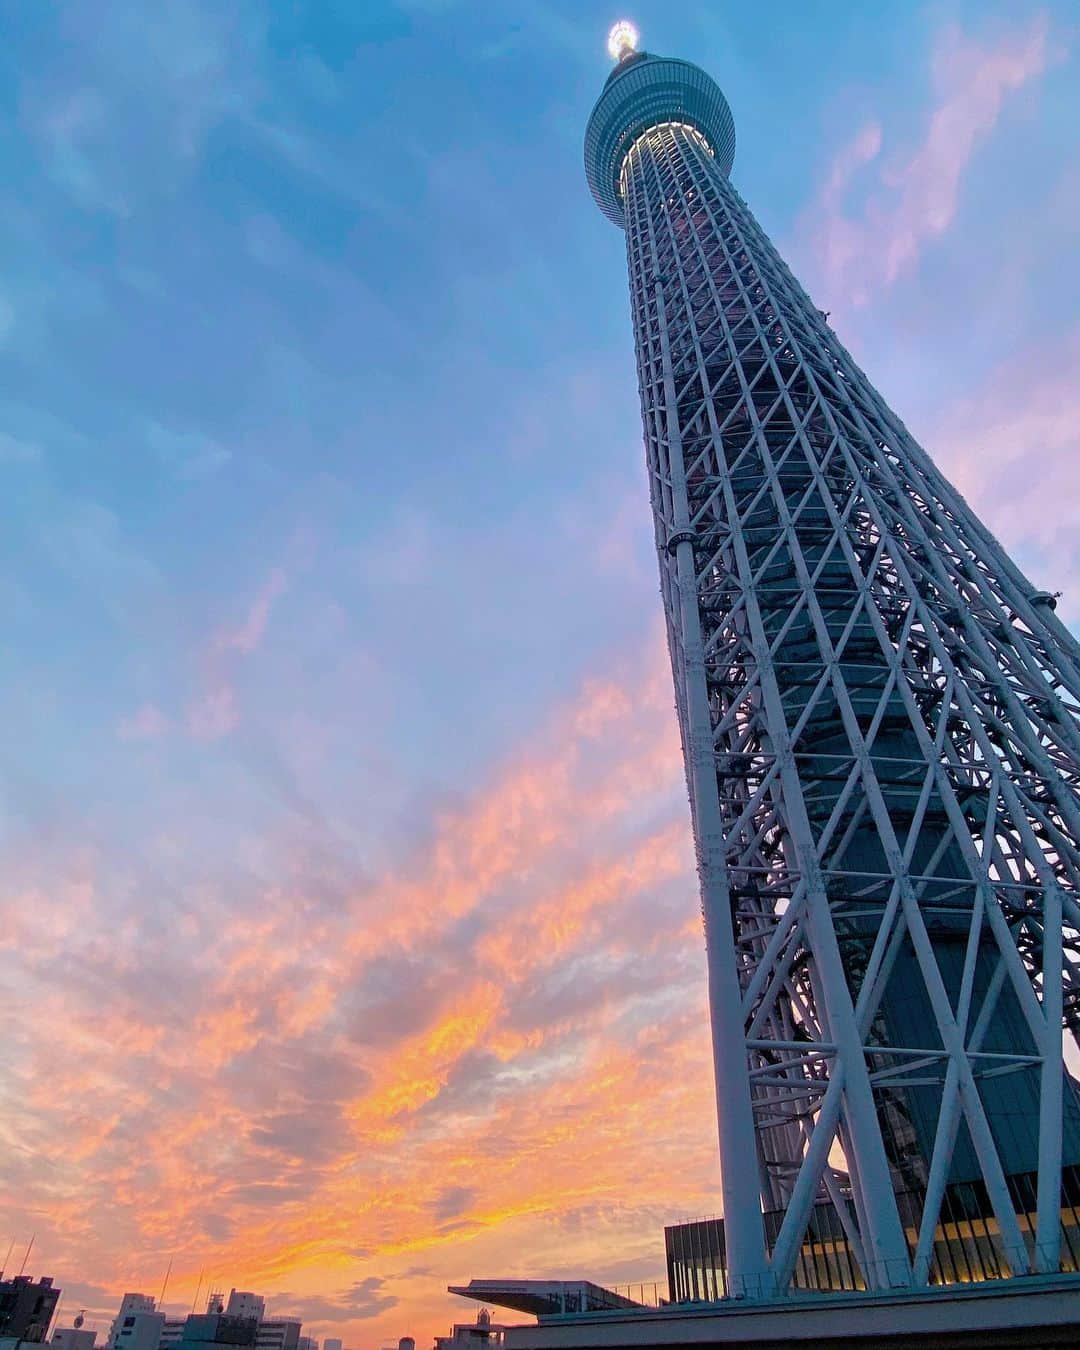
{"x":645,"y":91}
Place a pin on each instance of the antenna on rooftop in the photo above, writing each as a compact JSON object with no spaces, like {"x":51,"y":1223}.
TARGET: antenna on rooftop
{"x":27,"y":1256}
{"x":165,"y":1284}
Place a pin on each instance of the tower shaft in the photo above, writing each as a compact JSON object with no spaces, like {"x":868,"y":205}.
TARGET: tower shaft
{"x":879,"y":719}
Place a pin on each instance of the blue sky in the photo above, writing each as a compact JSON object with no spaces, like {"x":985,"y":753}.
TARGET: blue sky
{"x":326,"y":544}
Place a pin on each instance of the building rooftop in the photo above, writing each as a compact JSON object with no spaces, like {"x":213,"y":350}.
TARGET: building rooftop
{"x":545,"y":1298}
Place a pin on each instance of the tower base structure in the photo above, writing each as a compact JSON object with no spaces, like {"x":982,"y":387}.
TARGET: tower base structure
{"x":1037,"y":1312}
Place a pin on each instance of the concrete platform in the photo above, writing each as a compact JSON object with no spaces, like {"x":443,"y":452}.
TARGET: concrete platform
{"x":1033,"y":1312}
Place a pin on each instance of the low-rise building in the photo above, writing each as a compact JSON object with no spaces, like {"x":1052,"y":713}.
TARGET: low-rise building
{"x":141,"y":1331}
{"x":245,"y":1304}
{"x":73,"y":1338}
{"x":172,"y":1332}
{"x":278,"y":1333}
{"x":202,"y":1331}
{"x":131,"y":1306}
{"x":472,"y":1335}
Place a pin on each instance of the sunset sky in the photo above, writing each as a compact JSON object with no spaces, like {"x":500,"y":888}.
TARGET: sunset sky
{"x":350,"y":938}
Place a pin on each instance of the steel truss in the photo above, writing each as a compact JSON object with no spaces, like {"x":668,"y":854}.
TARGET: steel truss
{"x":879,"y":718}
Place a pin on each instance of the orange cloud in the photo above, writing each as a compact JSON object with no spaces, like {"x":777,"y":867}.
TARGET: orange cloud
{"x":482,"y":1050}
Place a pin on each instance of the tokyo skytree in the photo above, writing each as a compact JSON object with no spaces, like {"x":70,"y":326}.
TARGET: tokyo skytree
{"x":880,"y":722}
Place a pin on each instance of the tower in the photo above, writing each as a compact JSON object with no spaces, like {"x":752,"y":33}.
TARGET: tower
{"x":880,"y":722}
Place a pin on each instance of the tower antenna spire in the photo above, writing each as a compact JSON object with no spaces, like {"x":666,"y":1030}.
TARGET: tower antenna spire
{"x":623,"y":40}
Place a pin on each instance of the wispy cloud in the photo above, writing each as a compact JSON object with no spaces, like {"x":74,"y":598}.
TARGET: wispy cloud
{"x":1013,"y":448}
{"x":907,"y":198}
{"x":247,"y":637}
{"x":188,"y":454}
{"x":215,"y":712}
{"x":16,"y":451}
{"x":365,"y":1299}
{"x":133,"y":96}
{"x":147,"y":723}
{"x":89,"y":543}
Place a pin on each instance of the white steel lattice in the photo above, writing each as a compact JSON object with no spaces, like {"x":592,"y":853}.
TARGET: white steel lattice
{"x":880,"y":720}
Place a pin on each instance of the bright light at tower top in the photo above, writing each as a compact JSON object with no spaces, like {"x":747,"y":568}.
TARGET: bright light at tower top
{"x":622,"y":40}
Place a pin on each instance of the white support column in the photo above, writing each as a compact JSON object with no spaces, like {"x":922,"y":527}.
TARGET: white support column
{"x":1052,"y":1081}
{"x":744,"y":1236}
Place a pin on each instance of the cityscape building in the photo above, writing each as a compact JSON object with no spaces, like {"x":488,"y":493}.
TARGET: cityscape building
{"x":73,"y":1338}
{"x":140,"y":1325}
{"x":880,"y":721}
{"x":146,"y":1329}
{"x":172,"y":1332}
{"x":470,"y":1335}
{"x":204,"y":1330}
{"x":130,"y":1306}
{"x":27,"y":1307}
{"x":277,"y":1333}
{"x":243,"y":1304}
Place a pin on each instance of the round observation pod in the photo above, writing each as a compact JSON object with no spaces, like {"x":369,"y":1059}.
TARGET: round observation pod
{"x":645,"y":91}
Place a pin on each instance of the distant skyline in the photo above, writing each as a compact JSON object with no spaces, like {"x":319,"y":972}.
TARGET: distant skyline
{"x":351,"y":944}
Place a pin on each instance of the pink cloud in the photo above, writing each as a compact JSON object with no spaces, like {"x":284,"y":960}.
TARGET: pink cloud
{"x":215,"y":714}
{"x":250,"y":633}
{"x":840,"y":240}
{"x":1013,"y":449}
{"x":147,"y":723}
{"x":913,"y":196}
